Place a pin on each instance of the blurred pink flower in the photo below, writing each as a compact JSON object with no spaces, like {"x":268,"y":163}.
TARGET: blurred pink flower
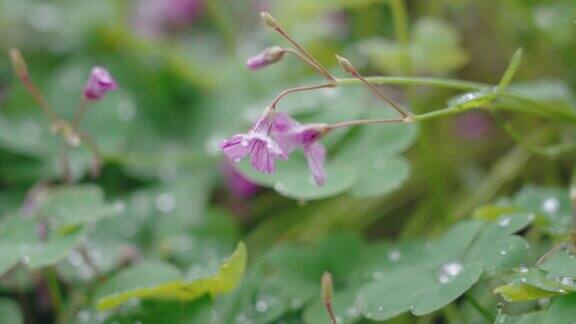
{"x":474,"y":125}
{"x":154,"y":18}
{"x":237,"y":183}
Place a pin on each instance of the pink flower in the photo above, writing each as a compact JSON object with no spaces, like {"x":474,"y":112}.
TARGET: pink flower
{"x":99,"y":82}
{"x":267,"y":57}
{"x":155,"y":18}
{"x":290,"y":135}
{"x":237,"y":183}
{"x":262,"y":148}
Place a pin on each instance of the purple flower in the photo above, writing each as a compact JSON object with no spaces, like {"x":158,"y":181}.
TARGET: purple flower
{"x":262,"y":148}
{"x":237,"y":183}
{"x":267,"y":57}
{"x":290,"y":135}
{"x":99,"y":82}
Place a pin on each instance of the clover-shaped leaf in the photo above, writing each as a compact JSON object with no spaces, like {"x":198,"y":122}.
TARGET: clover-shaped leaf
{"x":156,"y":280}
{"x":456,"y":262}
{"x":20,"y":242}
{"x":533,"y":284}
{"x":552,"y":204}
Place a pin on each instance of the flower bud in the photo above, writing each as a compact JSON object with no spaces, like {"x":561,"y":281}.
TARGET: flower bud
{"x":268,"y":56}
{"x":348,"y":67}
{"x":269,"y":20}
{"x":99,"y":82}
{"x":327,"y":289}
{"x":18,"y":63}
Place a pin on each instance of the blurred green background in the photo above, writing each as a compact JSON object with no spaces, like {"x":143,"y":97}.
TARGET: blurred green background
{"x":183,"y":87}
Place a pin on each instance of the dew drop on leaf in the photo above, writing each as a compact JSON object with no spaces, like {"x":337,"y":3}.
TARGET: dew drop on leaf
{"x":394,"y":256}
{"x":504,"y":221}
{"x":551,"y":205}
{"x":448,"y":271}
{"x":567,"y":281}
{"x":165,"y":202}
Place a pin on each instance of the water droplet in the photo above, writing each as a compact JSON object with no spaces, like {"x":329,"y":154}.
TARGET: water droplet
{"x":261,"y":305}
{"x":394,"y":256}
{"x":126,"y":110}
{"x":567,"y":281}
{"x":165,"y":202}
{"x":544,"y":302}
{"x":237,"y":159}
{"x":352,"y":312}
{"x":448,"y":271}
{"x":562,"y":291}
{"x":499,"y":307}
{"x":523,"y":270}
{"x":296,"y":303}
{"x":25,"y":259}
{"x":551,"y":205}
{"x":279,"y":186}
{"x":503,"y":253}
{"x":504,"y":221}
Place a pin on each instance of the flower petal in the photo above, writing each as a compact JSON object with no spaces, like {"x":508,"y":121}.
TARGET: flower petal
{"x":316,"y":156}
{"x":236,"y":147}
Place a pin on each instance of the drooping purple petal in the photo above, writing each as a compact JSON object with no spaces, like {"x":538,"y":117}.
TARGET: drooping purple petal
{"x":236,"y":147}
{"x":237,"y":183}
{"x":316,"y":156}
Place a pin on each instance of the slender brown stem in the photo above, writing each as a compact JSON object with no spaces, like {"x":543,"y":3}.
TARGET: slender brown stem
{"x":96,"y":155}
{"x":88,"y":260}
{"x":330,"y":311}
{"x":321,"y":69}
{"x":297,"y":89}
{"x":552,"y":251}
{"x":65,"y":163}
{"x":80,"y":111}
{"x":368,"y":122}
{"x":379,"y":93}
{"x":38,"y":97}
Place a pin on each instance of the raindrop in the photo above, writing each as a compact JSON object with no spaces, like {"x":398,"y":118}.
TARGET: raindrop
{"x":165,"y":202}
{"x":503,"y":253}
{"x":504,"y":221}
{"x":296,"y":303}
{"x":448,"y":271}
{"x":261,"y":305}
{"x":523,"y":270}
{"x":562,"y":291}
{"x":394,"y":256}
{"x":551,"y":205}
{"x":352,"y":312}
{"x":567,"y":281}
{"x":119,"y":207}
{"x":25,"y":259}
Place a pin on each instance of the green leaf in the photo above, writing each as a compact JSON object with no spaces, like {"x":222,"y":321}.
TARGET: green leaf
{"x":68,"y":206}
{"x":381,"y":177}
{"x":164,"y":281}
{"x":552,"y":204}
{"x":19,"y":242}
{"x":517,"y":293}
{"x":561,"y":264}
{"x":444,"y":293}
{"x":395,"y":293}
{"x":530,"y":318}
{"x":10,"y":312}
{"x":562,"y":309}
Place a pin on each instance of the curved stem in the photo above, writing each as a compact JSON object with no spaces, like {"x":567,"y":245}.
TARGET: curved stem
{"x":368,"y":122}
{"x":297,"y":89}
{"x":305,"y":53}
{"x":419,"y":81}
